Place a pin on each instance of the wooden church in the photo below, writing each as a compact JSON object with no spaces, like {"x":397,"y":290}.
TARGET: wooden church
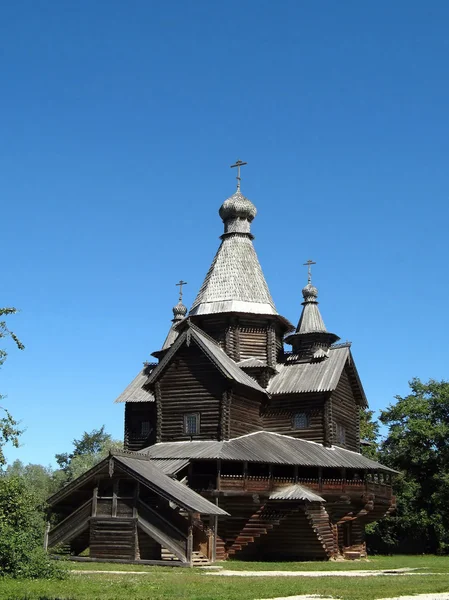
{"x":234,"y":445}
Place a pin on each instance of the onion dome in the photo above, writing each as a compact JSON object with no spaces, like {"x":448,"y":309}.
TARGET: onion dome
{"x":179,"y":311}
{"x":237,"y":206}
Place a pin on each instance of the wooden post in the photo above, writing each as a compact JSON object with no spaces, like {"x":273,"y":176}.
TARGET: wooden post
{"x":343,"y":480}
{"x":46,"y":532}
{"x":214,"y":539}
{"x":245,"y":474}
{"x":114,"y":497}
{"x":95,"y":500}
{"x":320,"y":479}
{"x":189,"y":553}
{"x":296,"y":473}
{"x":136,"y":499}
{"x":217,"y":486}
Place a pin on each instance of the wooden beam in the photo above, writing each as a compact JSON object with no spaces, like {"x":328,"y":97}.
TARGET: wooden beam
{"x":95,"y":500}
{"x":114,"y":497}
{"x":189,"y":553}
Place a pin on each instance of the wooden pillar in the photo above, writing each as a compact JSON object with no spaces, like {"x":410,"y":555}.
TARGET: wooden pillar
{"x":271,"y":345}
{"x":218,"y":484}
{"x":296,"y":473}
{"x":320,"y":479}
{"x":157,"y":393}
{"x":214,"y":539}
{"x":95,"y":500}
{"x":114,"y":497}
{"x":46,"y":532}
{"x":189,"y":553}
{"x":327,"y":422}
{"x":343,"y":479}
{"x":136,"y":500}
{"x":245,"y":474}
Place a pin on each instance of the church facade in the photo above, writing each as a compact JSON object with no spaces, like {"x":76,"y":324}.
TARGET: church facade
{"x":234,"y":445}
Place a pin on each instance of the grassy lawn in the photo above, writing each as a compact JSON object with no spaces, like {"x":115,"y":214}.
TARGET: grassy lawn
{"x":163,"y":583}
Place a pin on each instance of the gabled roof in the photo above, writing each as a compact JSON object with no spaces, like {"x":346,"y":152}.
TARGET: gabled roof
{"x":267,"y":447}
{"x":155,"y":478}
{"x":147,"y":473}
{"x":296,"y":492}
{"x":315,"y":375}
{"x":220,"y":359}
{"x":134,"y":392}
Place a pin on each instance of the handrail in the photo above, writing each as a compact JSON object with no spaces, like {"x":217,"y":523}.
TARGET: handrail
{"x":158,"y":516}
{"x":71,"y":516}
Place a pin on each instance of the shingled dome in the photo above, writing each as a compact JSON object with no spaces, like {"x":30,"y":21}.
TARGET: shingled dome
{"x":235,"y":281}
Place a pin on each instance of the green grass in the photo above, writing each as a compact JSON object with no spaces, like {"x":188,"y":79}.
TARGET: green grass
{"x":163,"y":583}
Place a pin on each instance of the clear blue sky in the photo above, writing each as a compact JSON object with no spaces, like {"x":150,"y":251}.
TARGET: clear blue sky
{"x":119,"y":121}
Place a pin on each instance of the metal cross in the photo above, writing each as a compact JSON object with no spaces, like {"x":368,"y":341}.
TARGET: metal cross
{"x":309,"y":264}
{"x":238,"y":164}
{"x":181,"y":283}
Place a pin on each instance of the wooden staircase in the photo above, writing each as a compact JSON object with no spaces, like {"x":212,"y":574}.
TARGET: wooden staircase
{"x":319,"y":520}
{"x":259,"y":524}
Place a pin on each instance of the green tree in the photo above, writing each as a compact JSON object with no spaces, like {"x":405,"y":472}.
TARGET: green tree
{"x":38,"y":479}
{"x":9,"y":428}
{"x":369,"y":434}
{"x":417,"y":445}
{"x":90,"y":449}
{"x":21,"y":532}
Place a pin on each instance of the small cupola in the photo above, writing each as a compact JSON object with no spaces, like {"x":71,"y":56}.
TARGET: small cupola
{"x":311,"y":339}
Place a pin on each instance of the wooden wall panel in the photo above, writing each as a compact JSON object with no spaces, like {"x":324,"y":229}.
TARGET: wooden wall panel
{"x":190,"y":384}
{"x":278,"y":416}
{"x":345,"y":412}
{"x":245,"y":415}
{"x":113,"y":538}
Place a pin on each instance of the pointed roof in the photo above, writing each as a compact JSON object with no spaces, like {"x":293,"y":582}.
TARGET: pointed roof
{"x":134,"y":392}
{"x":235,"y":281}
{"x":311,"y":324}
{"x":219,"y":358}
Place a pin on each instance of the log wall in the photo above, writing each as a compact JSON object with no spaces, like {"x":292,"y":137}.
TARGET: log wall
{"x":278,"y":416}
{"x":190,"y":384}
{"x":345,"y":412}
{"x":245,"y":415}
{"x":113,"y":538}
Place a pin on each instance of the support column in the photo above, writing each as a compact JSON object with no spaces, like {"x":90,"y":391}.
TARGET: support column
{"x":189,"y":553}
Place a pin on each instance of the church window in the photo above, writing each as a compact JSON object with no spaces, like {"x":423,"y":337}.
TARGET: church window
{"x":145,"y":429}
{"x":192,"y":424}
{"x":300,"y":421}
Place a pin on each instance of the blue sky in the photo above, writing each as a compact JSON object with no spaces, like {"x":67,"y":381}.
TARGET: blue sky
{"x":119,"y":121}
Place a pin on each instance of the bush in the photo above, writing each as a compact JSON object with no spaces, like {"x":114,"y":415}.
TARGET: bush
{"x":22,"y":525}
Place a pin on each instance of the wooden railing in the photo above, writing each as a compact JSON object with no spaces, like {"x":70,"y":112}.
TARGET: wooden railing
{"x":71,"y":525}
{"x":161,"y":530}
{"x":267,"y":484}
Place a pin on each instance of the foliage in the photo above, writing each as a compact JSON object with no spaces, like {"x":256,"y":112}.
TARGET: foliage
{"x":39,"y":480}
{"x":369,"y":434}
{"x":9,"y":429}
{"x":21,"y":533}
{"x":90,"y":449}
{"x":417,"y":445}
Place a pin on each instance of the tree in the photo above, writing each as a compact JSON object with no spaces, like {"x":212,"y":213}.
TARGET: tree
{"x":38,"y":479}
{"x":369,"y":434}
{"x":90,"y":449}
{"x":417,"y":445}
{"x":9,"y":428}
{"x":21,"y":533}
